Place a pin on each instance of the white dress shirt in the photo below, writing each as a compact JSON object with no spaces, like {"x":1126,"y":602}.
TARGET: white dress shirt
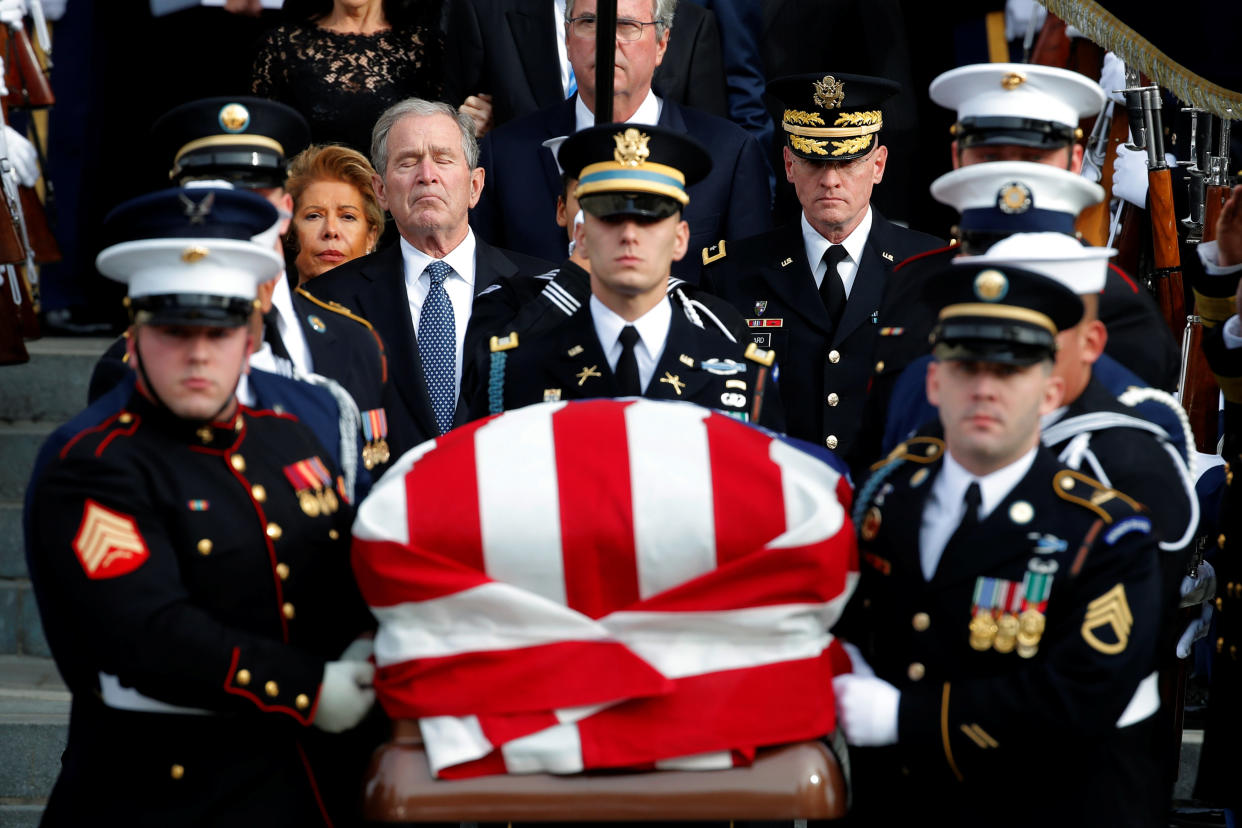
{"x":648,"y":112}
{"x":291,"y":332}
{"x":652,"y":329}
{"x":946,"y":504}
{"x":854,"y":244}
{"x":459,"y":286}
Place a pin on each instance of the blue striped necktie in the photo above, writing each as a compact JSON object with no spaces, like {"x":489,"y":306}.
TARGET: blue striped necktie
{"x":437,"y":345}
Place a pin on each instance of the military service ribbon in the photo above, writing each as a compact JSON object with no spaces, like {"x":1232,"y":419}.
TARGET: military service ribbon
{"x":313,"y":484}
{"x":375,"y":430}
{"x":1036,"y":587}
{"x":994,"y":622}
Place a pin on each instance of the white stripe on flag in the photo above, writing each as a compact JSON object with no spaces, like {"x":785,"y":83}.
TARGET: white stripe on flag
{"x":812,"y":511}
{"x":452,"y":740}
{"x":671,"y":493}
{"x":695,"y":643}
{"x":480,"y":619}
{"x":716,"y":760}
{"x":557,"y":749}
{"x":382,"y":513}
{"x":520,"y":517}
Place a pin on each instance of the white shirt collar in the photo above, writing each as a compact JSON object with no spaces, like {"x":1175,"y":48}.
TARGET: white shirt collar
{"x":291,"y":333}
{"x":652,"y":329}
{"x":954,"y":479}
{"x":648,"y":112}
{"x":460,"y":258}
{"x":855,"y":243}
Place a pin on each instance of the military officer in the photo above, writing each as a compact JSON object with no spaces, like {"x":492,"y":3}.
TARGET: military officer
{"x":1008,"y":606}
{"x":190,"y":558}
{"x":810,"y":291}
{"x":635,"y":335}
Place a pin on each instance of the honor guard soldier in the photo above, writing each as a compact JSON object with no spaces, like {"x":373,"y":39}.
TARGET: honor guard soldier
{"x":634,"y":336}
{"x":190,"y":557}
{"x":810,"y":291}
{"x":246,"y":142}
{"x":1008,"y":607}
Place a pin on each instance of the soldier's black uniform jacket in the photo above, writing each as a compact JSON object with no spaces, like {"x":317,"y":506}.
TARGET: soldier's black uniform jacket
{"x":824,"y":371}
{"x":985,"y":735}
{"x":206,"y":569}
{"x":699,"y":364}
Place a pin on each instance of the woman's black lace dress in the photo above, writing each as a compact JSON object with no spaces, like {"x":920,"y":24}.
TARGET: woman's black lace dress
{"x":342,"y":82}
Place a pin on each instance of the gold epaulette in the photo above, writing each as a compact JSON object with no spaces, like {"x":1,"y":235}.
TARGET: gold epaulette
{"x":1090,"y":493}
{"x":916,"y":449}
{"x":714,"y":253}
{"x":756,"y":354}
{"x":504,"y":343}
{"x":335,"y":307}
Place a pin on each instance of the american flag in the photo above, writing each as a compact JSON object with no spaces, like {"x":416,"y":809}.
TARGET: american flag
{"x":604,"y":584}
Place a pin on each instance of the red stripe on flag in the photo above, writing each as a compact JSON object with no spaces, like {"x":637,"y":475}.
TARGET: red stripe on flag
{"x":522,"y":679}
{"x":490,"y":765}
{"x":597,"y":519}
{"x":749,"y":505}
{"x":389,"y":573}
{"x":442,"y":499}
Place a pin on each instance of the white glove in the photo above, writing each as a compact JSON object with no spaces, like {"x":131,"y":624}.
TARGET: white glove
{"x":1130,"y":176}
{"x":22,"y":156}
{"x":360,"y":649}
{"x":345,"y":696}
{"x":1113,"y":78}
{"x":1018,"y":14}
{"x":1194,"y":631}
{"x":54,"y":9}
{"x":1200,"y":588}
{"x":12,"y":12}
{"x":866,"y":710}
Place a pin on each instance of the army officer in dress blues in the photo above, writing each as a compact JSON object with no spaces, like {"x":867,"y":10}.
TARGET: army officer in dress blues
{"x":190,"y":557}
{"x":634,"y":336}
{"x":1008,"y":607}
{"x":810,"y":291}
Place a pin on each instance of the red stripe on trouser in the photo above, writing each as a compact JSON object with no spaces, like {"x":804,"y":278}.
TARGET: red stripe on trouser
{"x":525,"y":679}
{"x":597,"y":525}
{"x":747,"y":497}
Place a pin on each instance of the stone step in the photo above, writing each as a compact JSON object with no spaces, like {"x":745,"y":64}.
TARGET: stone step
{"x":12,"y":550}
{"x":34,"y":724}
{"x":52,"y":386}
{"x":19,"y":445}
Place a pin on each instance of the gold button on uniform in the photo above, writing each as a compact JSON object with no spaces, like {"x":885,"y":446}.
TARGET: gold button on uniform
{"x":921,"y":621}
{"x":204,"y":546}
{"x":125,"y":419}
{"x":916,"y":671}
{"x":302,"y":701}
{"x":287,"y":611}
{"x":1220,"y":541}
{"x":243,"y":677}
{"x":333,"y":534}
{"x":879,"y":367}
{"x":1219,"y":602}
{"x":282,"y":571}
{"x":258,"y":493}
{"x":271,"y":688}
{"x":274,"y":531}
{"x":833,"y":399}
{"x":176,"y":771}
{"x":831,"y":441}
{"x":238,"y":462}
{"x":834,"y":357}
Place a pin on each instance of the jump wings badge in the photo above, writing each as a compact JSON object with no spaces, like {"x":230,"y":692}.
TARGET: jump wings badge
{"x":829,"y":92}
{"x":631,"y":148}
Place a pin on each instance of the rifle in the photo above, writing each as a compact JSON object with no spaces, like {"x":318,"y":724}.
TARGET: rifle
{"x":24,"y":292}
{"x":27,"y":83}
{"x":12,"y":348}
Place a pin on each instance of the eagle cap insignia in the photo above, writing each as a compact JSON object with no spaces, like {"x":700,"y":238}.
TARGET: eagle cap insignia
{"x":829,"y":92}
{"x":197,"y":212}
{"x":1014,"y":198}
{"x":631,"y":148}
{"x":234,"y":117}
{"x":991,"y":285}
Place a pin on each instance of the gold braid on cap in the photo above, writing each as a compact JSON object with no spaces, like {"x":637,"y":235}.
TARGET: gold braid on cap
{"x":797,"y":116}
{"x":807,"y":145}
{"x":857,"y":118}
{"x":851,"y":145}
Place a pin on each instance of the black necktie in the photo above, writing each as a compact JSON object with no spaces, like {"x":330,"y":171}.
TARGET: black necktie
{"x":627,"y":365}
{"x":831,"y":290}
{"x":271,"y":334}
{"x":970,"y":519}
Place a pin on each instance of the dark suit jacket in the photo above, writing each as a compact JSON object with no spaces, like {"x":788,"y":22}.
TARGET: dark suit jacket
{"x":518,"y":207}
{"x":508,"y":48}
{"x":768,"y":279}
{"x":343,"y":347}
{"x":374,"y":288}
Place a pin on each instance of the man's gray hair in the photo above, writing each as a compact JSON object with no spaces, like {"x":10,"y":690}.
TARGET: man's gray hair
{"x":661,"y":12}
{"x":420,"y":107}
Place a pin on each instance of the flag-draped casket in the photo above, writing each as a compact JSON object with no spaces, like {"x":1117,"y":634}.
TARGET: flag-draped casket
{"x":606,"y":584}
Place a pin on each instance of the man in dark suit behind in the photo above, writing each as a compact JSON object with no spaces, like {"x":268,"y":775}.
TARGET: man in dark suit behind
{"x":508,"y":49}
{"x":518,"y":208}
{"x":418,"y":293}
{"x":811,"y":290}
